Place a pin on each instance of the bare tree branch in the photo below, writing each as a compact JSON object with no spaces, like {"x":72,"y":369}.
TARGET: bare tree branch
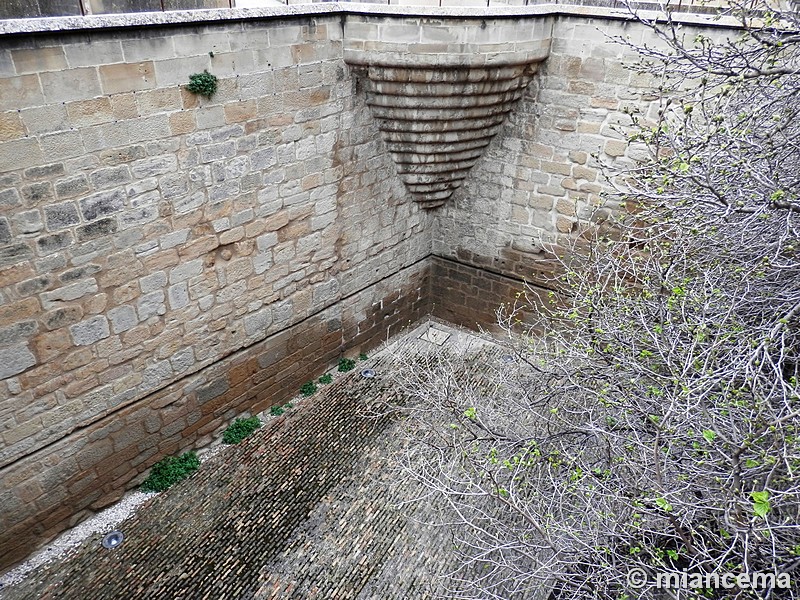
{"x":657,"y":423}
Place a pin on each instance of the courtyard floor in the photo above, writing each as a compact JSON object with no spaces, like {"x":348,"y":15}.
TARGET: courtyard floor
{"x":306,"y":507}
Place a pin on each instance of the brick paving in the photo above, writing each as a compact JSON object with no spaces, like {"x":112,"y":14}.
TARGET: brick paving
{"x":304,"y":508}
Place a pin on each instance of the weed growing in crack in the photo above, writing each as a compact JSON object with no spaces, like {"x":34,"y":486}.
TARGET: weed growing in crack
{"x":170,"y":470}
{"x":308,"y":388}
{"x":346,"y":364}
{"x":203,"y":84}
{"x":240,"y":429}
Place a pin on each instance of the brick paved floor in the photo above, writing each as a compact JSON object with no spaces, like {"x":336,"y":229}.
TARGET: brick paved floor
{"x":304,"y":508}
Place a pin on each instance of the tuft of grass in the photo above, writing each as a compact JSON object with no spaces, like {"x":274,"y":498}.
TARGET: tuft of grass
{"x":363,"y":356}
{"x":240,"y":429}
{"x":203,"y":84}
{"x":308,"y":388}
{"x":327,"y":378}
{"x":346,"y":364}
{"x":276,"y":411}
{"x":169,"y":471}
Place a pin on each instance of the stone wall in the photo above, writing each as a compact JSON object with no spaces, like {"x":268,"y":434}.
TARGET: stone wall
{"x":470,"y":296}
{"x":92,"y":467}
{"x":151,"y":239}
{"x":16,"y":9}
{"x":10,"y":9}
{"x":168,"y":262}
{"x":538,"y":186}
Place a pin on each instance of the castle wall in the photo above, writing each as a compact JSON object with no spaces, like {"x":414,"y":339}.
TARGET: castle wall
{"x":539,"y":186}
{"x":154,"y":243}
{"x":169,"y":262}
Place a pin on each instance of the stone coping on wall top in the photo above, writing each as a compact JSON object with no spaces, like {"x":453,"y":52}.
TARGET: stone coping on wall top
{"x":597,"y":9}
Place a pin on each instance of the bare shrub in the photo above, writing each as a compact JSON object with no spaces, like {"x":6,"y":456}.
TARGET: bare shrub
{"x":656,"y":425}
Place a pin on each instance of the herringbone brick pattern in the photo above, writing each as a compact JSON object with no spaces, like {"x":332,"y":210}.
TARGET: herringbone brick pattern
{"x":304,"y":508}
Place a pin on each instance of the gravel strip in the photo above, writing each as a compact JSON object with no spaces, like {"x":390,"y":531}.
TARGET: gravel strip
{"x":65,"y":544}
{"x":303,"y":507}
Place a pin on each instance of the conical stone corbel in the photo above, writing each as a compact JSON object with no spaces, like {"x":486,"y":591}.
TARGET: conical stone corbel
{"x":437,"y":113}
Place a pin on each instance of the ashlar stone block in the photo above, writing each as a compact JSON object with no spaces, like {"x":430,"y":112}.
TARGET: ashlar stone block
{"x":15,"y":359}
{"x":90,"y":331}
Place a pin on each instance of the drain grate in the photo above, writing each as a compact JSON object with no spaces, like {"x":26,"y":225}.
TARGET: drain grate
{"x":435,"y":336}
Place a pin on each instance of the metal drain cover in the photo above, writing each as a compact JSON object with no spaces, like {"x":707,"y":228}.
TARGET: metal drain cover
{"x":368,"y":373}
{"x":435,"y":336}
{"x":113,"y":539}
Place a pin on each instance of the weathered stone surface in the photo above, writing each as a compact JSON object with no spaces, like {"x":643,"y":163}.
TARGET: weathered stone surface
{"x":90,"y":331}
{"x":9,"y":198}
{"x":110,"y":177}
{"x":11,"y":126}
{"x":151,"y":305}
{"x":5,"y":231}
{"x":256,"y":324}
{"x":62,"y":317}
{"x":102,"y":204}
{"x":17,"y":332}
{"x":97,"y":229}
{"x":28,"y":222}
{"x":14,"y":360}
{"x":74,"y":186}
{"x":157,"y":165}
{"x":196,"y":241}
{"x":36,"y":193}
{"x":68,"y":293}
{"x":34,"y":285}
{"x":154,"y":375}
{"x":45,"y":171}
{"x":153,"y":282}
{"x":16,"y":253}
{"x":212,"y":390}
{"x":186,"y":270}
{"x":79,"y":272}
{"x":127,"y":77}
{"x":51,"y":243}
{"x":178,"y":296}
{"x":122,"y":318}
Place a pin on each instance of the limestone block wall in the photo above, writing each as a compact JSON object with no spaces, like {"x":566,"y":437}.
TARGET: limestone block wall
{"x":538,"y":184}
{"x":16,"y":9}
{"x":438,"y":93}
{"x":168,"y":262}
{"x":469,"y":296}
{"x":161,"y":253}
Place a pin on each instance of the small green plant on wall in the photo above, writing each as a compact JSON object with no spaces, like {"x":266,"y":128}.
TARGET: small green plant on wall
{"x":240,"y":429}
{"x":327,"y":378}
{"x":203,"y":84}
{"x":170,"y":470}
